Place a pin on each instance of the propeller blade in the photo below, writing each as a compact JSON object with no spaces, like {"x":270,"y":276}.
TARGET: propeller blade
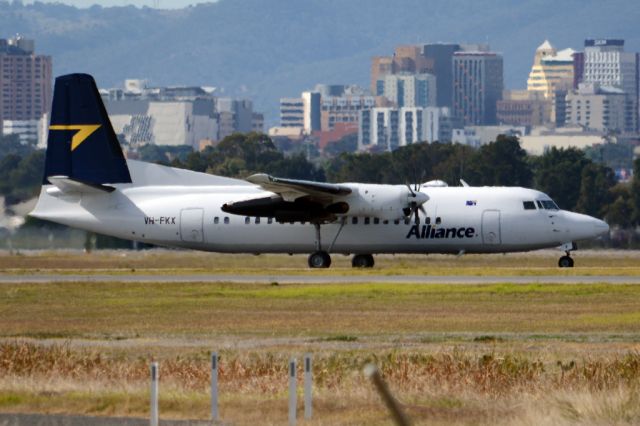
{"x":413,"y":194}
{"x":423,"y":210}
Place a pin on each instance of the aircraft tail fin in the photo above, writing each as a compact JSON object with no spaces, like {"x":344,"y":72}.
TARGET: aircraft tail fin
{"x":82,"y":145}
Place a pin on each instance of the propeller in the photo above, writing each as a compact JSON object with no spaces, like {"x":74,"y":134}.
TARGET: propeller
{"x":416,"y":200}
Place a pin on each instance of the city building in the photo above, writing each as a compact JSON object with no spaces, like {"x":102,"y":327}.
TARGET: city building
{"x":523,"y":108}
{"x":410,"y":90}
{"x":477,"y":86}
{"x":144,"y":122}
{"x":387,"y":128}
{"x":343,"y":109}
{"x":339,"y":131}
{"x":540,"y":140}
{"x":25,"y":87}
{"x":180,"y":115}
{"x":292,"y":112}
{"x":442,"y":56}
{"x":602,"y":108}
{"x":606,"y":63}
{"x":477,"y":136}
{"x":551,"y":70}
{"x":408,"y":59}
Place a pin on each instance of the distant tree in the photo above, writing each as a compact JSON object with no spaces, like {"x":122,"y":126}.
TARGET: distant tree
{"x":595,"y":189}
{"x":240,"y":155}
{"x":348,"y":143}
{"x":635,"y":192}
{"x":500,"y":163}
{"x":614,"y":155}
{"x":558,"y":173}
{"x":620,"y":211}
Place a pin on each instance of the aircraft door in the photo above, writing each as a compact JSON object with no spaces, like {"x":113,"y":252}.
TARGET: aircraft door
{"x":191,"y":225}
{"x":491,"y":227}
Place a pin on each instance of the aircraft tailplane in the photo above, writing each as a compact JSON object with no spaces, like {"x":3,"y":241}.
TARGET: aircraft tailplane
{"x":82,"y":145}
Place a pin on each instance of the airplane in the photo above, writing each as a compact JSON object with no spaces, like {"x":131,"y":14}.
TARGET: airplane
{"x":88,"y":184}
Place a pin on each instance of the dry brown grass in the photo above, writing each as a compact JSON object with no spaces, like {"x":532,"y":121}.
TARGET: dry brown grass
{"x":450,"y":387}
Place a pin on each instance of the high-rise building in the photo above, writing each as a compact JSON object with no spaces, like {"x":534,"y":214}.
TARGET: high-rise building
{"x":406,"y":59}
{"x":552,"y":70}
{"x":442,"y":56}
{"x":602,"y":108}
{"x":410,"y":90}
{"x":292,"y":112}
{"x":386,"y":129}
{"x":606,"y":63}
{"x":25,"y":82}
{"x":477,"y":86}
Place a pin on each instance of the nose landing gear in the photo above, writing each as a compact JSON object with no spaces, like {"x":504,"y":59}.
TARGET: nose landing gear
{"x":566,"y":261}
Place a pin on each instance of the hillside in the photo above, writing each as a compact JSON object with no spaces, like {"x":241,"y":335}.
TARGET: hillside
{"x":269,"y":49}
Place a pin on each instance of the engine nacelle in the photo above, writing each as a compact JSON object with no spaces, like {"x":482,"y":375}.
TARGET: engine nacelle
{"x":382,"y":201}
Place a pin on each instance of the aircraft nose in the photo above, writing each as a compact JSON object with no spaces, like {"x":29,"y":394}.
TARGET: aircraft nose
{"x":582,"y":226}
{"x":600,"y":226}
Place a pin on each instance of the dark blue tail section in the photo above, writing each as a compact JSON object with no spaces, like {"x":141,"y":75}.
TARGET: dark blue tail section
{"x":82,"y":144}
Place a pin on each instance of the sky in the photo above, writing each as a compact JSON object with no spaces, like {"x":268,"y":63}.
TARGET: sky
{"x":162,"y":4}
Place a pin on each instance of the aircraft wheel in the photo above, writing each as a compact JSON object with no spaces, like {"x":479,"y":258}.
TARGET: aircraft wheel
{"x":362,"y":261}
{"x":319,"y":259}
{"x":565,"y":262}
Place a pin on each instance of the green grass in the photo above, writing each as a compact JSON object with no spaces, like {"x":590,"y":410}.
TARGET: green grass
{"x":119,"y":310}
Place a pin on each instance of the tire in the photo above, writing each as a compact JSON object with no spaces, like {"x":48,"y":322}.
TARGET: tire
{"x":319,"y":259}
{"x":362,"y":261}
{"x":565,"y":262}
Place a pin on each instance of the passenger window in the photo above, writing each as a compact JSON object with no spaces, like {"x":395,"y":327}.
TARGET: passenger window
{"x":247,"y":220}
{"x":257,"y":220}
{"x":529,"y":205}
{"x":354,"y":220}
{"x":226,"y":220}
{"x":366,"y":220}
{"x":397,"y":222}
{"x":428,"y":220}
{"x":269,"y":220}
{"x":407,"y":220}
{"x":386,"y":222}
{"x":438,"y":221}
{"x":216,"y":220}
{"x":376,"y":221}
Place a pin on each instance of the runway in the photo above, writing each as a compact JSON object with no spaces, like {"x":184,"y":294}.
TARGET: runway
{"x":317,"y":279}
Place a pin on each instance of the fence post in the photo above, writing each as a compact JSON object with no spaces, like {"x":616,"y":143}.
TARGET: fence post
{"x":308,"y":378}
{"x":293,"y":397}
{"x":214,"y":386}
{"x":154,"y":394}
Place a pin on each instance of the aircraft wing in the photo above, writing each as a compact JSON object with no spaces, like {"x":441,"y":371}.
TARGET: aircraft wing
{"x":292,"y":189}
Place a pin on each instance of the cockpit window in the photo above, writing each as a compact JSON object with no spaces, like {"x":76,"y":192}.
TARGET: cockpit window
{"x":539,"y":204}
{"x":549,"y":205}
{"x":529,"y":205}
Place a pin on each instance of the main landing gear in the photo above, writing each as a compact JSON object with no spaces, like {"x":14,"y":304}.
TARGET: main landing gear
{"x":362,"y":261}
{"x":319,"y":258}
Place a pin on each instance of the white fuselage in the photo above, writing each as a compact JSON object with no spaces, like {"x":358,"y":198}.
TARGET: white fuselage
{"x":458,"y":219}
